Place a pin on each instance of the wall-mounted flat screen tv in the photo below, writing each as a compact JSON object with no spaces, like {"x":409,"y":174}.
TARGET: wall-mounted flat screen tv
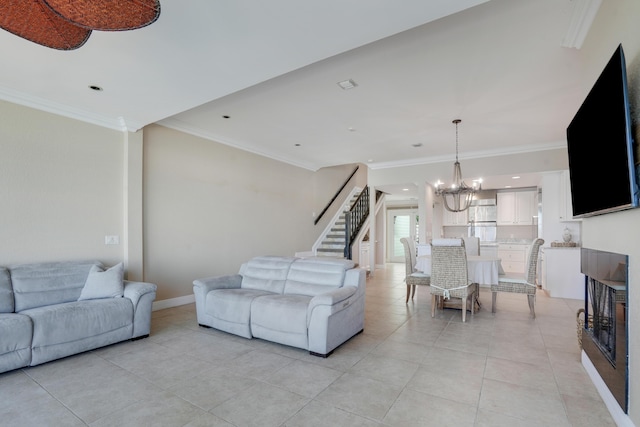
{"x":600,"y":146}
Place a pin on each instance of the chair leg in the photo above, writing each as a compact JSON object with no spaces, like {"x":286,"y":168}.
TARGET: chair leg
{"x":464,"y":309}
{"x":494,"y":294}
{"x":408,"y":292}
{"x":433,"y":305}
{"x":531,"y":299}
{"x":473,"y":303}
{"x":413,"y":291}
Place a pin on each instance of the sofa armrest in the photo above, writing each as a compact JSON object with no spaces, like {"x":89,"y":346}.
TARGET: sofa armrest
{"x":201,"y":287}
{"x":337,"y":299}
{"x":207,"y":284}
{"x":336,"y":316}
{"x":135,"y":290}
{"x":325,"y":305}
{"x":141,"y":295}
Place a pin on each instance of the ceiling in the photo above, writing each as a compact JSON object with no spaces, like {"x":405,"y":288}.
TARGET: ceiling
{"x":262,"y":76}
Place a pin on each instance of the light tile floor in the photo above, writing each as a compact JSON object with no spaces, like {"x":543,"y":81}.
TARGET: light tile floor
{"x":406,"y":369}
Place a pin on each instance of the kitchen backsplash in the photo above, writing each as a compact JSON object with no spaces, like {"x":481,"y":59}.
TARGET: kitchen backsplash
{"x":503,"y":232}
{"x":516,"y":232}
{"x":455,"y":231}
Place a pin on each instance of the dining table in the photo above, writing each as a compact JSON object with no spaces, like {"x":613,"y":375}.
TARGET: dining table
{"x":481,"y":269}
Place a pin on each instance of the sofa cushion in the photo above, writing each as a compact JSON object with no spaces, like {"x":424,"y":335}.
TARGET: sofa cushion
{"x":16,"y":332}
{"x":231,"y":309}
{"x":6,"y":291}
{"x":103,"y":284}
{"x":314,"y":276}
{"x":281,"y":318}
{"x":73,"y":321}
{"x":42,"y":284}
{"x":266,"y":273}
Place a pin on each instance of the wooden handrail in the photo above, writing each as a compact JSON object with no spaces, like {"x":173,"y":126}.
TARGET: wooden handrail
{"x":335,"y":196}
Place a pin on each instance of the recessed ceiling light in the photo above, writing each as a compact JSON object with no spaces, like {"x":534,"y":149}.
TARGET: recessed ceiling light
{"x":347,"y":84}
{"x":370,"y":160}
{"x":515,"y":177}
{"x":96,"y":88}
{"x":405,"y":189}
{"x":416,"y":145}
{"x":351,"y":129}
{"x":226,"y":117}
{"x":507,"y":186}
{"x":297,"y":145}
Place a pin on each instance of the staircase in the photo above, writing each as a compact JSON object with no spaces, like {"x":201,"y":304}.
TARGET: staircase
{"x":333,"y":243}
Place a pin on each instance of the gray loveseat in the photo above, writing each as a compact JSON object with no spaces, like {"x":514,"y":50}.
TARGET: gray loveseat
{"x":41,"y":318}
{"x":310,"y":303}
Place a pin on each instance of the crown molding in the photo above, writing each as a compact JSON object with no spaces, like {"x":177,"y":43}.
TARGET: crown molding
{"x":523,"y":149}
{"x":584,"y":12}
{"x":118,"y":123}
{"x":182,"y":127}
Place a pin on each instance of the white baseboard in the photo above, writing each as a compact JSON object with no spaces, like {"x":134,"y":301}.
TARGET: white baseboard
{"x":618,"y":415}
{"x":173,"y":302}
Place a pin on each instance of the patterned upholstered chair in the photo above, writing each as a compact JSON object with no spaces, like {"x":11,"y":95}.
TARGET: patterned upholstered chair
{"x":525,"y":284}
{"x":413,"y":278}
{"x":449,"y":275}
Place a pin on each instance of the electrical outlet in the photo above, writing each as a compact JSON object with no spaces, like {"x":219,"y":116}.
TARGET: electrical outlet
{"x":111,"y":240}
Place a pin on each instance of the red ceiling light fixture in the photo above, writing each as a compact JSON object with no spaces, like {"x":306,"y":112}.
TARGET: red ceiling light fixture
{"x":67,"y":24}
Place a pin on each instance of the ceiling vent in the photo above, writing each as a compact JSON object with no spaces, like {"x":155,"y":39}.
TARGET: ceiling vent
{"x":347,"y":84}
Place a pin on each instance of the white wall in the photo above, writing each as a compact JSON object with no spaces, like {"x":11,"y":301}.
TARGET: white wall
{"x":617,"y":22}
{"x":539,"y":161}
{"x":61,"y":188}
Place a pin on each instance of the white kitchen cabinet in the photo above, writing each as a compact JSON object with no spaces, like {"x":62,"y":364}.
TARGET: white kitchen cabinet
{"x":454,"y":218}
{"x":513,"y":257}
{"x":561,"y":271}
{"x":516,"y":207}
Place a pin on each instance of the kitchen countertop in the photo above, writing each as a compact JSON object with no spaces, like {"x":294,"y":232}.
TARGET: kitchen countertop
{"x":515,"y":242}
{"x":561,"y":247}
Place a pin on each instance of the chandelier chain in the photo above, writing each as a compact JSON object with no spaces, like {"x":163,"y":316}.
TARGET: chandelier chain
{"x":458,"y":196}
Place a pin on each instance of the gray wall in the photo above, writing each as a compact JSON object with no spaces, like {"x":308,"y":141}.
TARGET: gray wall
{"x":61,"y":188}
{"x":209,"y":207}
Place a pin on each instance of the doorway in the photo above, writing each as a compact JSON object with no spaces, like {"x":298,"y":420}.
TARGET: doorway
{"x":400,"y":223}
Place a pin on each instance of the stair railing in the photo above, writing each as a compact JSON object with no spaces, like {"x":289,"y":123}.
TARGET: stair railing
{"x":354,"y":220}
{"x":335,"y":196}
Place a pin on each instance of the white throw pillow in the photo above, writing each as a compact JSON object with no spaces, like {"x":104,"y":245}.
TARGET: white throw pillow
{"x":103,"y":284}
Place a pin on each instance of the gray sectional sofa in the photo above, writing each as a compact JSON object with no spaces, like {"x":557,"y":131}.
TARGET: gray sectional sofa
{"x":310,"y":303}
{"x":53,"y":310}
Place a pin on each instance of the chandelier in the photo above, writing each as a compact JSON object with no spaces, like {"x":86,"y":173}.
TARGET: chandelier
{"x":458,"y":196}
{"x":66,"y":24}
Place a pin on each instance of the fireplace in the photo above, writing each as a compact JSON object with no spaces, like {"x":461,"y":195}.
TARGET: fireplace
{"x":604,"y":336}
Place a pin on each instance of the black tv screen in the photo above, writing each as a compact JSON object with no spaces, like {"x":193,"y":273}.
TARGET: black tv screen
{"x":600,"y":146}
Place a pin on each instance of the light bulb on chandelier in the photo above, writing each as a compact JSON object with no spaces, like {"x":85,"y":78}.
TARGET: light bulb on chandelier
{"x":458,"y":196}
